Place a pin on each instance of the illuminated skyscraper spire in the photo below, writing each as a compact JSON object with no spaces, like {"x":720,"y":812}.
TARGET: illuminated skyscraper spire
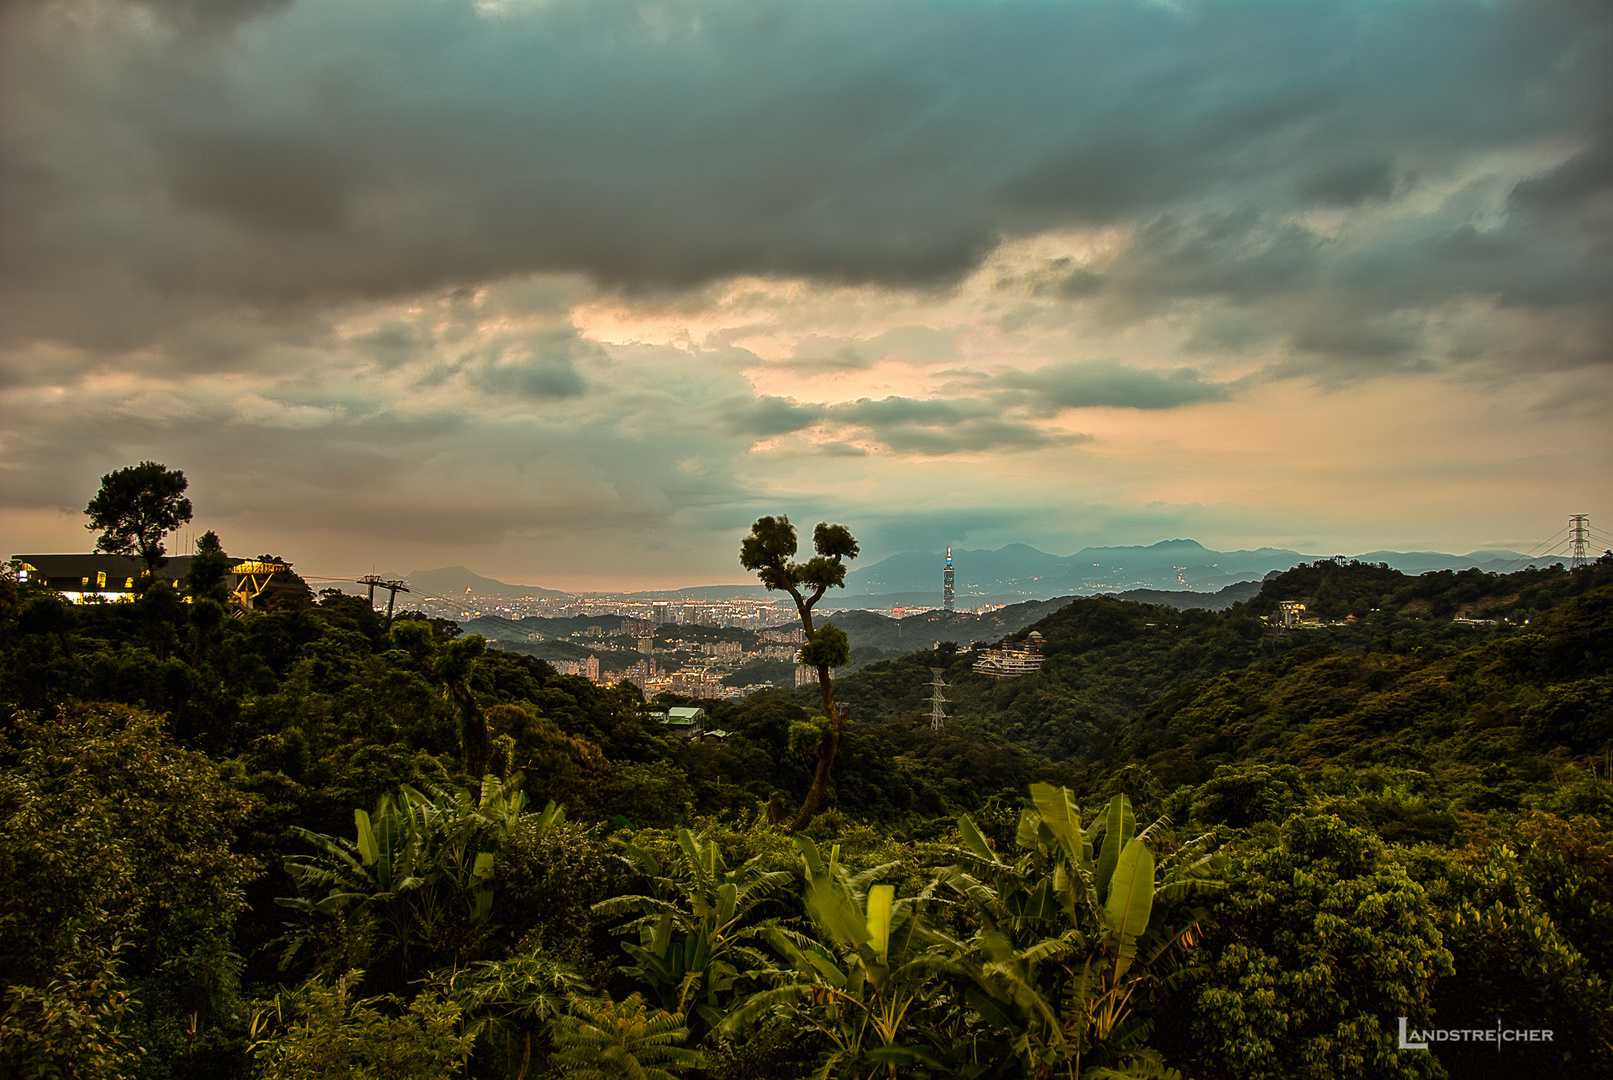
{"x":946,"y":582}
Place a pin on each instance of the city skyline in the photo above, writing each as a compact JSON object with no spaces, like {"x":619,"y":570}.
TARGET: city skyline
{"x":571,"y":292}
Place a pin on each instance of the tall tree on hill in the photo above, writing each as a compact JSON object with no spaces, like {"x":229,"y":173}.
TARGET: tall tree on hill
{"x":769,"y":551}
{"x":135,"y":508}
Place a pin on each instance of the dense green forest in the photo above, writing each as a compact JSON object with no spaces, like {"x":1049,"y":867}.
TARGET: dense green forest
{"x":303,"y":843}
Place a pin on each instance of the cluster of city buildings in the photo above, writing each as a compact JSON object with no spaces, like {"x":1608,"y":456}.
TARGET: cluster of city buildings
{"x":694,"y":669}
{"x":741,"y":614}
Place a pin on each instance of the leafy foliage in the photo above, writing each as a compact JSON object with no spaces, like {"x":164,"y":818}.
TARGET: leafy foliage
{"x":1321,"y":940}
{"x":691,"y":926}
{"x":625,"y":1040}
{"x":118,"y":888}
{"x":319,"y":1032}
{"x":1072,"y":952}
{"x":423,"y":869}
{"x":865,"y":982}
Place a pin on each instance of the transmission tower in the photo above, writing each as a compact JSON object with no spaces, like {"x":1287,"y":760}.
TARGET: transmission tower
{"x":938,"y":701}
{"x":1579,"y":540}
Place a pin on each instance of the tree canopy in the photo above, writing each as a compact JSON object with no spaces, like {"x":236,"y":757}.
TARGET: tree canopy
{"x":136,"y":507}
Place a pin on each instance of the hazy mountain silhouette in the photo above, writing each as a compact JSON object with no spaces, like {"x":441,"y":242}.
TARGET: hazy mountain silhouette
{"x":1019,"y":572}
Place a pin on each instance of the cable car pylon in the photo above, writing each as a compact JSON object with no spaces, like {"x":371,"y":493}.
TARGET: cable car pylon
{"x":393,"y":588}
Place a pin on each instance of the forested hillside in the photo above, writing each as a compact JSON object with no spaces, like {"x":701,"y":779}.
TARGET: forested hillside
{"x":301,"y":843}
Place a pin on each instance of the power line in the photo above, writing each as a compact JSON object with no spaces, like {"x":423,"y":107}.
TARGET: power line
{"x":1534,"y":553}
{"x":1573,"y":543}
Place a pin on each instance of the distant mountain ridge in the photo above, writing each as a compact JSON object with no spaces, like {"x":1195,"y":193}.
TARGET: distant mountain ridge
{"x":1019,"y":570}
{"x":453,"y":581}
{"x":1016,"y":573}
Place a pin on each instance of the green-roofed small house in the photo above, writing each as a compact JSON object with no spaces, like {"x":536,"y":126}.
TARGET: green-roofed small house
{"x":686,"y":720}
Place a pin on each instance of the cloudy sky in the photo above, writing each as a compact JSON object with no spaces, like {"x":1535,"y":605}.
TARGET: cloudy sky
{"x":570,"y":291}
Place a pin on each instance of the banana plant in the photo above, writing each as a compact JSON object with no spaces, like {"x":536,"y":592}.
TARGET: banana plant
{"x":1071,"y":951}
{"x":869,"y":982}
{"x":692,"y":926}
{"x":416,"y":858}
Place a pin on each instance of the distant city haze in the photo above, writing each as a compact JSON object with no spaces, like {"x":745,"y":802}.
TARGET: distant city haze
{"x":913,"y":580}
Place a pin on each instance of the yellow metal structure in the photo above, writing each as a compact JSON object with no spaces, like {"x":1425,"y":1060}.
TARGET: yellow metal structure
{"x":251,"y":578}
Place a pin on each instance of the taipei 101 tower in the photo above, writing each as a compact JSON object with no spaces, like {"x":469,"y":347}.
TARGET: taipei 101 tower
{"x":946,"y":582}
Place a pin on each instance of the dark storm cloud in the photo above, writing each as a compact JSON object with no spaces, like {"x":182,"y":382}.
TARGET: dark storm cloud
{"x":543,"y":379}
{"x":267,"y":181}
{"x":1241,"y":255}
{"x":1102,"y":384}
{"x":937,"y":428}
{"x":210,"y":15}
{"x":1066,"y":283}
{"x":393,"y":343}
{"x":534,"y":365}
{"x":354,"y":148}
{"x":1349,"y":182}
{"x":926,"y":427}
{"x":766,"y":416}
{"x":1578,"y":193}
{"x":973,"y":413}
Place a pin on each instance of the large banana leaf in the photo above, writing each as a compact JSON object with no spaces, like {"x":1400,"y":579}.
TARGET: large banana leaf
{"x":367,"y":846}
{"x":1121,"y":826}
{"x":975,"y":841}
{"x":727,"y":902}
{"x":697,"y":865}
{"x":808,"y":850}
{"x":1062,"y":817}
{"x":880,"y":899}
{"x":1130,"y":900}
{"x":835,"y":912}
{"x":1027,"y":835}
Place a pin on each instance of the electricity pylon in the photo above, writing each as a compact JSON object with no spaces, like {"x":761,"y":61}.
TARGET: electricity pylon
{"x":1579,"y":539}
{"x":938,"y":701}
